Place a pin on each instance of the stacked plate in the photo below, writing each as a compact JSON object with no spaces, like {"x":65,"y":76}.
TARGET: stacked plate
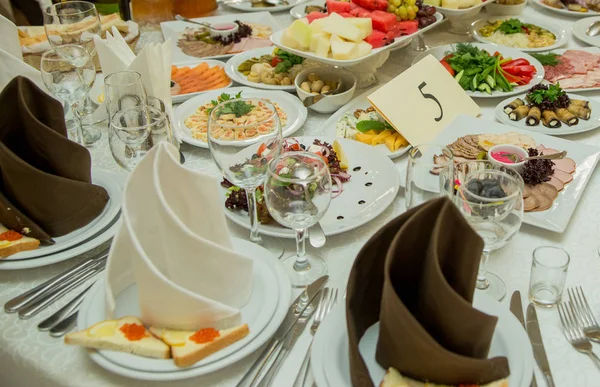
{"x":79,"y":241}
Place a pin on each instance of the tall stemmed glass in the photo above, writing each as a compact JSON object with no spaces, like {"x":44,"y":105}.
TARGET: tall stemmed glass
{"x":244,"y":135}
{"x":122,"y":90}
{"x":298,"y":193}
{"x":491,"y":199}
{"x":72,"y":22}
{"x":68,"y":73}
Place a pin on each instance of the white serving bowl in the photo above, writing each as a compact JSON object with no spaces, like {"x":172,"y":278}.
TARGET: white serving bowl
{"x":506,"y":10}
{"x":518,"y":167}
{"x":330,"y":103}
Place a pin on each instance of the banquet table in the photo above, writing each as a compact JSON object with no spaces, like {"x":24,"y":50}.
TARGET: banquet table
{"x":32,"y":358}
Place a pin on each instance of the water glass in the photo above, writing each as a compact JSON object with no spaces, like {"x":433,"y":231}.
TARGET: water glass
{"x":548,"y":274}
{"x":163,"y":133}
{"x":298,"y":193}
{"x":72,"y":22}
{"x":429,"y":174}
{"x":122,"y":90}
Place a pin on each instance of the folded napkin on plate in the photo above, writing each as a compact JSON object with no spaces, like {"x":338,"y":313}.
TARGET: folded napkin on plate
{"x":11,"y":58}
{"x":45,"y":178}
{"x":417,"y":277}
{"x":175,"y":245}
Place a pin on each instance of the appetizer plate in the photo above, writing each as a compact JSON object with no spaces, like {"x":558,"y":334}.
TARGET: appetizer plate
{"x":299,"y":11}
{"x":191,"y":64}
{"x":231,"y":68}
{"x":507,"y":52}
{"x":592,"y":50}
{"x":564,"y":11}
{"x":172,"y":30}
{"x":268,"y":304}
{"x":360,"y":102}
{"x":365,"y":165}
{"x":582,"y":126}
{"x":580,"y":28}
{"x":329,"y":354}
{"x":109,"y":181}
{"x":557,"y":30}
{"x":401,"y":41}
{"x":557,"y":217}
{"x":293,"y":107}
{"x":247,"y":6}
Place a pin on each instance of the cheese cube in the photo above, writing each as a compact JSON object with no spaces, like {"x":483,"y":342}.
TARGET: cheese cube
{"x":364,"y":24}
{"x":343,"y":28}
{"x":319,"y":44}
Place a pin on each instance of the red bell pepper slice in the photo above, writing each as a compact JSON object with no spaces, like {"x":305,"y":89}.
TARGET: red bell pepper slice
{"x":275,"y":60}
{"x":524,"y":80}
{"x":519,"y":70}
{"x":517,"y":62}
{"x":447,"y":66}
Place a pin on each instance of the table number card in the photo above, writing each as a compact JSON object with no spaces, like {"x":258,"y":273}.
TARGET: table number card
{"x":422,"y":101}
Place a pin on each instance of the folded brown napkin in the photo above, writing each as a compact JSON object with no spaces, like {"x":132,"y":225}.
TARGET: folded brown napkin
{"x":45,"y":179}
{"x":417,"y":277}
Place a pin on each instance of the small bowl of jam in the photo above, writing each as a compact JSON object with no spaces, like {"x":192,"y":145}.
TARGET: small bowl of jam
{"x":509,"y":156}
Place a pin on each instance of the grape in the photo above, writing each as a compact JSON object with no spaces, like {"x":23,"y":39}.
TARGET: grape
{"x":419,"y":3}
{"x":411,"y":13}
{"x":403,"y":13}
{"x":396,"y":3}
{"x":391,"y":8}
{"x":430,"y":11}
{"x":415,"y":9}
{"x":421,"y":13}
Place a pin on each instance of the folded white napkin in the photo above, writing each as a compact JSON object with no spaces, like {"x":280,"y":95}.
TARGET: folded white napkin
{"x":174,"y":243}
{"x":11,"y":58}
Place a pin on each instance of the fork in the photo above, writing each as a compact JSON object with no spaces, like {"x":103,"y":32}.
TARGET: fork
{"x":328,"y":300}
{"x":584,"y":313}
{"x":573,"y":331}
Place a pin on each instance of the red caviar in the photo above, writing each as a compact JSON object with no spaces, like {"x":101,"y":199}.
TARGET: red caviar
{"x":10,"y":236}
{"x":205,"y":335}
{"x":133,"y":332}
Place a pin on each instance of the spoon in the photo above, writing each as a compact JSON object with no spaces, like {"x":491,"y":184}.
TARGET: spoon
{"x":553,"y":156}
{"x":212,"y":29}
{"x":593,"y":29}
{"x":313,"y":99}
{"x":316,"y":235}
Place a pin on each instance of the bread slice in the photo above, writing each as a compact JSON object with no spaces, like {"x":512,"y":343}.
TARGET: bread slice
{"x":186,"y":351}
{"x":10,"y":247}
{"x":110,"y":335}
{"x":393,"y":378}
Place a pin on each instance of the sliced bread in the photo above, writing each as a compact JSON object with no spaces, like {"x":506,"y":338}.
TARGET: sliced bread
{"x":127,"y":334}
{"x":189,"y":347}
{"x":393,"y":378}
{"x":9,"y":245}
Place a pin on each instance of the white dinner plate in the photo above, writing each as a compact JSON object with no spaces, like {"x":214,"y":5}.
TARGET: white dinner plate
{"x":358,"y":204}
{"x":292,"y":106}
{"x":559,"y":32}
{"x":247,"y":7}
{"x":453,"y":13}
{"x":268,"y":305}
{"x":361,"y":102}
{"x":191,"y":64}
{"x":401,"y":41}
{"x":109,"y":182}
{"x":231,"y":67}
{"x":172,"y":30}
{"x":507,"y":52}
{"x":299,"y":10}
{"x":580,"y":28}
{"x":582,"y":126}
{"x":564,"y":11}
{"x":330,"y":350}
{"x":593,"y":50}
{"x":557,"y":217}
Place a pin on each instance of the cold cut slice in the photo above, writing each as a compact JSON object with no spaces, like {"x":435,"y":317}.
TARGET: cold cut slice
{"x":526,"y":192}
{"x":545,"y":202}
{"x":549,"y":151}
{"x":546,"y":189}
{"x":566,"y":165}
{"x":530,"y":203}
{"x":563,"y":176}
{"x":557,"y":183}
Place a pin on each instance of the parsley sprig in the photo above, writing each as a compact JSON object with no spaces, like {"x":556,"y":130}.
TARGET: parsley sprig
{"x":239,"y":108}
{"x":550,"y":95}
{"x":511,"y":26}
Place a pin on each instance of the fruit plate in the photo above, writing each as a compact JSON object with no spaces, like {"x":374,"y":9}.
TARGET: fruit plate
{"x":564,"y":11}
{"x":173,"y":29}
{"x":372,"y":188}
{"x":247,"y":6}
{"x":276,"y":39}
{"x":507,"y":52}
{"x":329,"y":128}
{"x":557,"y":217}
{"x":556,"y":29}
{"x":582,"y":126}
{"x":193,"y":63}
{"x":292,"y":106}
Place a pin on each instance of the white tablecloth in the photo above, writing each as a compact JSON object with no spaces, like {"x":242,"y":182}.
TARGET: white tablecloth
{"x":30,"y":358}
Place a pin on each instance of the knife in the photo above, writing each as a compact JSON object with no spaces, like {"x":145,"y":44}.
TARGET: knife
{"x":533,"y":330}
{"x":294,"y":312}
{"x":516,"y":307}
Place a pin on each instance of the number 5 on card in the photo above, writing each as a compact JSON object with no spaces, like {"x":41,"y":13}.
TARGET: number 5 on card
{"x":422,"y":101}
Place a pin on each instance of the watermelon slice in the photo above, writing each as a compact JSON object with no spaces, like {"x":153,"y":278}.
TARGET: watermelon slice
{"x":315,"y":15}
{"x":345,"y":15}
{"x":407,"y":27}
{"x":360,"y":12}
{"x":379,"y":39}
{"x":339,"y":6}
{"x":383,"y":21}
{"x":372,"y":5}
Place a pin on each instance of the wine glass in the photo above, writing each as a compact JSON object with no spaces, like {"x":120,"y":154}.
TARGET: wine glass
{"x":72,"y":22}
{"x":491,"y":199}
{"x":68,"y":73}
{"x":123,"y":89}
{"x":424,"y":163}
{"x":244,"y":134}
{"x":298,"y":193}
{"x":130,"y":137}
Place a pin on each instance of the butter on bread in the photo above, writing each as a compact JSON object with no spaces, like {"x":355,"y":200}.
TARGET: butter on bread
{"x":110,"y":335}
{"x":10,"y":247}
{"x":186,"y":352}
{"x":393,"y":378}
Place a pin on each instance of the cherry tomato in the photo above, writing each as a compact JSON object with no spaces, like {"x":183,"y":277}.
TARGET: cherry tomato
{"x":275,"y":60}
